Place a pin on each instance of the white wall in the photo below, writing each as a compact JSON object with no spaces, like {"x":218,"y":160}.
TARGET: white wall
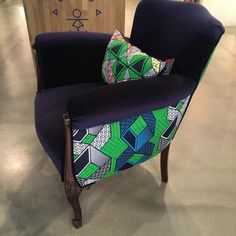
{"x":223,"y":10}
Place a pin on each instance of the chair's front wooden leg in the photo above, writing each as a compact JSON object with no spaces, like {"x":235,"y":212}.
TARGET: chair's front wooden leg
{"x":164,"y":164}
{"x":73,"y":192}
{"x":72,"y":189}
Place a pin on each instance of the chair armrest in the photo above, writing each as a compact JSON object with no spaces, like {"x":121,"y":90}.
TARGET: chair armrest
{"x":70,"y":57}
{"x":111,"y":103}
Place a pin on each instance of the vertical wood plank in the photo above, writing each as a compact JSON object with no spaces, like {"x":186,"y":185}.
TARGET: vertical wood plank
{"x":74,"y":15}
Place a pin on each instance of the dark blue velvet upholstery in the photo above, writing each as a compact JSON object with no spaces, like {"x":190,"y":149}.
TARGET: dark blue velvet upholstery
{"x":114,"y":102}
{"x":163,"y":29}
{"x":70,"y":57}
{"x":184,"y":31}
{"x":50,"y":105}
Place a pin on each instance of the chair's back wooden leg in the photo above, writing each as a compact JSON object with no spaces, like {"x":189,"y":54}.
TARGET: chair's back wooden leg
{"x":164,"y":164}
{"x":72,"y":189}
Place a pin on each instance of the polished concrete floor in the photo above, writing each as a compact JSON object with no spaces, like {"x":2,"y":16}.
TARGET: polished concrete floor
{"x":200,"y":198}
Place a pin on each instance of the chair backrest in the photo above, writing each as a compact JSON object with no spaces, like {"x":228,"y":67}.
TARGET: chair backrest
{"x":184,"y":31}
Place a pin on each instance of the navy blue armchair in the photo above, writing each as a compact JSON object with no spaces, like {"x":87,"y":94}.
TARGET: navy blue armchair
{"x":92,"y":130}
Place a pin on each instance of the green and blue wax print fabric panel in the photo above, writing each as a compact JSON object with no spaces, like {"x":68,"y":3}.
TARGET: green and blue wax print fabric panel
{"x":124,"y":61}
{"x":104,"y":150}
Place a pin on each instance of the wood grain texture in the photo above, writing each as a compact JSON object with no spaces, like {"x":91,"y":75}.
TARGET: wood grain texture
{"x":164,"y":164}
{"x":72,"y":189}
{"x":74,"y":15}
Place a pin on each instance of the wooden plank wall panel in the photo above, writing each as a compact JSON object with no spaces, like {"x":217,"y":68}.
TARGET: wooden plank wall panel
{"x":74,"y":15}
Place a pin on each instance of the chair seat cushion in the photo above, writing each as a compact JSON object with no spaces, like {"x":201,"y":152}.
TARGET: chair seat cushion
{"x":50,"y":104}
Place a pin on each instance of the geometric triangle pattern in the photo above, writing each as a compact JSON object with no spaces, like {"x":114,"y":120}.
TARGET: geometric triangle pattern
{"x":123,"y":62}
{"x":105,"y":150}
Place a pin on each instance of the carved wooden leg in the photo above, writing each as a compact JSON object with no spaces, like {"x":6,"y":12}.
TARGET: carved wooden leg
{"x":164,"y":164}
{"x":72,"y":189}
{"x":73,"y":192}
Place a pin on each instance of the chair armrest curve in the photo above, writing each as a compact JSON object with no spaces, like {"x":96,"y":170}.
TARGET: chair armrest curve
{"x":110,"y":103}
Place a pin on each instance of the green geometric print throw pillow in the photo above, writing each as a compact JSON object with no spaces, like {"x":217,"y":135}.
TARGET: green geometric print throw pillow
{"x":124,"y":62}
